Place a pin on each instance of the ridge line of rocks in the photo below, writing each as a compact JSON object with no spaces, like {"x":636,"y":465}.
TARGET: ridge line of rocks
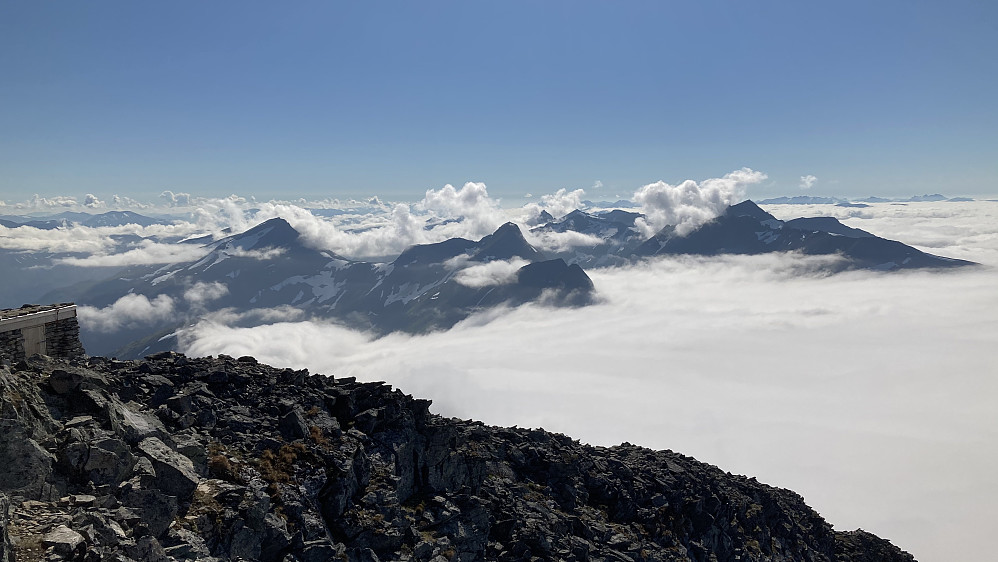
{"x":177,"y":458}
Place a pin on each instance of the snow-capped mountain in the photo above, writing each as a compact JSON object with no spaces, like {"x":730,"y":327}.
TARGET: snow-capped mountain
{"x":744,"y":228}
{"x":615,"y":230}
{"x":431,"y":286}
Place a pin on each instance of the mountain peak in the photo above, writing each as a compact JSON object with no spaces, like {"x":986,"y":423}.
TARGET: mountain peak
{"x":275,"y":232}
{"x":505,"y":243}
{"x":748,"y":208}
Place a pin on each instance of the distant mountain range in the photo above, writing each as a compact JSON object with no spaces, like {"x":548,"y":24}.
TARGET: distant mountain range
{"x":742,"y":229}
{"x":816,"y":200}
{"x":747,"y":229}
{"x":427,"y":287}
{"x":68,"y":218}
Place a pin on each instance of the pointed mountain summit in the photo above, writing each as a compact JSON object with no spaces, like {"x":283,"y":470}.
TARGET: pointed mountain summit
{"x":747,"y":208}
{"x":273,"y":244}
{"x":272,"y":233}
{"x":544,"y":217}
{"x":506,"y":243}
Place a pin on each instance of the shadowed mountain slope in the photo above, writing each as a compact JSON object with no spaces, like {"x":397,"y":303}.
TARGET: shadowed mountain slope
{"x":747,"y":229}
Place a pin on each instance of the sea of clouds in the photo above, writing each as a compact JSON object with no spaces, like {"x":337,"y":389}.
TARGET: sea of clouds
{"x":870,"y":394}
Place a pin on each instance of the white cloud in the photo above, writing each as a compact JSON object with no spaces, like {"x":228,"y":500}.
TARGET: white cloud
{"x":26,"y":238}
{"x":598,"y":185}
{"x":374,"y":235}
{"x":172,"y":199}
{"x":125,"y":203}
{"x":145,"y":253}
{"x":808,"y":181}
{"x":690,"y":204}
{"x":91,"y":201}
{"x":228,"y":317}
{"x":201,"y":293}
{"x":446,"y":213}
{"x":47,"y":203}
{"x":130,"y":311}
{"x":496,"y":272}
{"x":263,"y":254}
{"x":559,"y":203}
{"x":480,"y":214}
{"x":101,"y":246}
{"x":547,"y":241}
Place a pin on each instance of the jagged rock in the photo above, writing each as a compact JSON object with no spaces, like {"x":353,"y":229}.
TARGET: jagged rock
{"x":162,"y":459}
{"x":192,"y":448}
{"x":26,"y":464}
{"x":63,"y":541}
{"x":148,"y":549}
{"x":175,"y":473}
{"x":246,"y":543}
{"x":292,"y":425}
{"x":155,"y":509}
{"x":63,"y":381}
{"x":129,"y":422}
{"x":109,"y":460}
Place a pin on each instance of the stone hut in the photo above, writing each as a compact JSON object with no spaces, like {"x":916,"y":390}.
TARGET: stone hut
{"x":47,"y":329}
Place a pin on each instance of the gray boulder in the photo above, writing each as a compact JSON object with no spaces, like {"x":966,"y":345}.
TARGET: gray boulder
{"x":175,"y":473}
{"x":64,"y":541}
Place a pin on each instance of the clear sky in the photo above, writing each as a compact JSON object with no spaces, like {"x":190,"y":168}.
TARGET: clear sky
{"x":340,"y":99}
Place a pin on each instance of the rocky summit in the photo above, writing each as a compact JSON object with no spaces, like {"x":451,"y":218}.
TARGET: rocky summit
{"x":176,"y":458}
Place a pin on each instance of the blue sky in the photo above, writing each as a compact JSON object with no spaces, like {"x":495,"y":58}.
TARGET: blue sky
{"x":324,"y":99}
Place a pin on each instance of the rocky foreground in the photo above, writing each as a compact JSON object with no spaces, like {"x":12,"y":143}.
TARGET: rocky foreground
{"x":173,"y":458}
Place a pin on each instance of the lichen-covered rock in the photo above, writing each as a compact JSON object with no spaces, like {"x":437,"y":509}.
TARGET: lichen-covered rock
{"x":174,"y":458}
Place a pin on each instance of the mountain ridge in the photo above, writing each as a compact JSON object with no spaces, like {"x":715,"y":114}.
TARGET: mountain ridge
{"x":269,"y":266}
{"x":217,"y":458}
